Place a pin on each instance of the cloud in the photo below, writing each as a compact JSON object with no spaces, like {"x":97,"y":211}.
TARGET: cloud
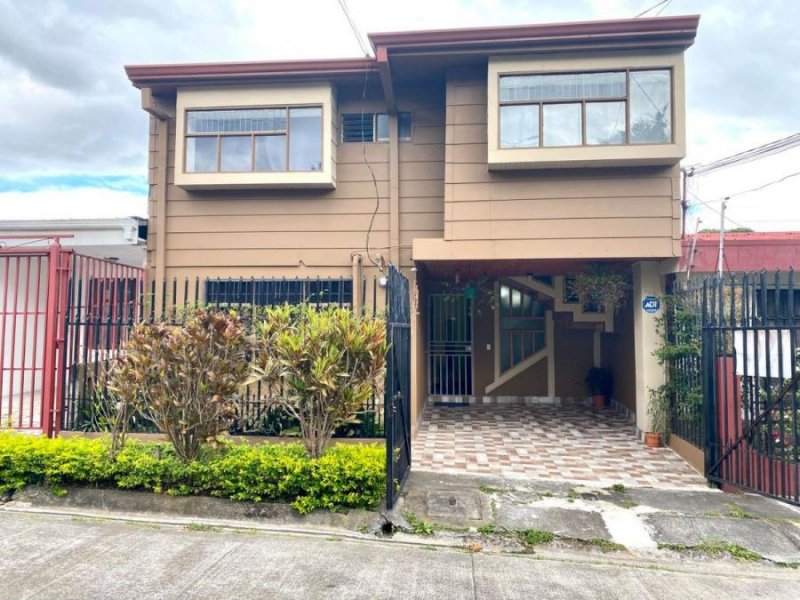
{"x":67,"y":107}
{"x":74,"y":203}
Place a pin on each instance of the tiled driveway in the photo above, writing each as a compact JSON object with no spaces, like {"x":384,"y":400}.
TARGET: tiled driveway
{"x":569,"y":443}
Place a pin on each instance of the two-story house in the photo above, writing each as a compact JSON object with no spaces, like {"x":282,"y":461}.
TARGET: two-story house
{"x":489,"y":164}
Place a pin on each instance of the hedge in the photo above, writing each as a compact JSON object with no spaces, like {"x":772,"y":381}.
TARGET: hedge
{"x":346,"y":476}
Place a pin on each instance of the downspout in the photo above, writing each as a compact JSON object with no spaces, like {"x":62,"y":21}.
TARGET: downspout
{"x":357,"y":278}
{"x":394,"y":190}
{"x":387,"y":83}
{"x":161,"y":112}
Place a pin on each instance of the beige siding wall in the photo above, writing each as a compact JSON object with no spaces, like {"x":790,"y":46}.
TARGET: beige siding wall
{"x":619,"y":212}
{"x":272,"y":232}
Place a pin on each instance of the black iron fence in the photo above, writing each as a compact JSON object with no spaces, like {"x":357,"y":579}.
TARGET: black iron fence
{"x":681,"y":353}
{"x":751,"y":400}
{"x":103,"y":307}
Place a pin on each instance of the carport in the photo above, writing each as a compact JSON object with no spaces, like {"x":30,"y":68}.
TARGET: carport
{"x":569,"y":442}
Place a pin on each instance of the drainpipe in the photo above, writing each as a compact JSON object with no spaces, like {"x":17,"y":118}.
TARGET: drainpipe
{"x":357,"y":277}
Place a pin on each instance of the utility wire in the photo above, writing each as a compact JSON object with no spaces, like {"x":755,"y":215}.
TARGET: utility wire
{"x":662,"y":3}
{"x":709,"y":206}
{"x":751,"y":190}
{"x":763,"y":151}
{"x":354,"y":27}
{"x":367,"y":54}
{"x":766,"y":185}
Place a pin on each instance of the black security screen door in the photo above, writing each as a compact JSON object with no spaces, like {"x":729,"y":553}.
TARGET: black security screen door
{"x":450,"y":345}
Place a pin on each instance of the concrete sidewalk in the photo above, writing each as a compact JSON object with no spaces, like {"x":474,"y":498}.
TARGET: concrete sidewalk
{"x":642,"y":521}
{"x":487,"y":514}
{"x":46,"y":556}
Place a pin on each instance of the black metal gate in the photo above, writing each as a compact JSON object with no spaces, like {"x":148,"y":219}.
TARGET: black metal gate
{"x":449,"y":345}
{"x":397,"y":394}
{"x":751,"y":392}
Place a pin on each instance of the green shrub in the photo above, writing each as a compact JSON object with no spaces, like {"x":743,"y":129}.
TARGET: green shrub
{"x":183,"y":378}
{"x":350,"y":476}
{"x":322,"y":365}
{"x":26,"y":459}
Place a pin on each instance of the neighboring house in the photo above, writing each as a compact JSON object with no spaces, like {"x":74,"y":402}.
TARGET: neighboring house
{"x":744,"y":252}
{"x":121,"y":240}
{"x":767,"y":257}
{"x":27,"y":311}
{"x":488,"y":164}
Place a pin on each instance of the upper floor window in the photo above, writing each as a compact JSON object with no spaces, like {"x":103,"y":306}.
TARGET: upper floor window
{"x":254,"y":140}
{"x":373,"y":127}
{"x":586,"y":109}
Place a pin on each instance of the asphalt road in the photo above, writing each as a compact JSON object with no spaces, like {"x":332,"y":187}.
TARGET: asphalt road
{"x":46,"y":556}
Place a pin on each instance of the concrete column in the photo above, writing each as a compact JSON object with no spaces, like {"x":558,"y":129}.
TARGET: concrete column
{"x":419,"y":381}
{"x":647,"y":281}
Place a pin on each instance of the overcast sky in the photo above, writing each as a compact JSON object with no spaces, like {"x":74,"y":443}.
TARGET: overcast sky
{"x":73,"y":136}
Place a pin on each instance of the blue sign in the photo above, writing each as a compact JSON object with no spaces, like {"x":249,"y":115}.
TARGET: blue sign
{"x":651,"y":304}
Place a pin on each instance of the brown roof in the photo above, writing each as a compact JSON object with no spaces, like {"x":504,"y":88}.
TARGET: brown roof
{"x":648,"y":32}
{"x":683,"y":28}
{"x":194,"y":72}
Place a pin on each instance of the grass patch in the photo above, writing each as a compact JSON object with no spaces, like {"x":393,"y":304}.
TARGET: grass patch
{"x":628,"y":504}
{"x":737,"y":512}
{"x":419,"y":526}
{"x":535,"y":537}
{"x":716,"y":548}
{"x":488,"y":529}
{"x":603,"y":545}
{"x":617,"y":487}
{"x":200,"y":527}
{"x":487,"y":489}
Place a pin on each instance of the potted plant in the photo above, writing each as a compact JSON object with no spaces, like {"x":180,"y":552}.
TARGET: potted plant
{"x":600,"y":286}
{"x":658,"y":412}
{"x":601,"y":383}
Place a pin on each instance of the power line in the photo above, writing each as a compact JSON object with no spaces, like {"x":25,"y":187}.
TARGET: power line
{"x":354,"y":27}
{"x":714,"y":209}
{"x":766,"y":185}
{"x":751,"y":190}
{"x":656,"y":5}
{"x":762,"y":151}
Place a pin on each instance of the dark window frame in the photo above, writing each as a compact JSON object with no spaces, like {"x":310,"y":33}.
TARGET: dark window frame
{"x":373,"y":117}
{"x":274,"y":292}
{"x":286,"y":133}
{"x":626,"y":100}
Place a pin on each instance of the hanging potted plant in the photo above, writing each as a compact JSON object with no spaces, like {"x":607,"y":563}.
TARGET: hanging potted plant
{"x":601,"y":385}
{"x":658,"y":412}
{"x":600,"y":286}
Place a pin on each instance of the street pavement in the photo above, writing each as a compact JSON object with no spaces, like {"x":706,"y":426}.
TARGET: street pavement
{"x":44,"y":555}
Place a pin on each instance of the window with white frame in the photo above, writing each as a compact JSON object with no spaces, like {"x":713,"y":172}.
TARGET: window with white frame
{"x":586,"y":109}
{"x":242,"y":140}
{"x":373,"y":127}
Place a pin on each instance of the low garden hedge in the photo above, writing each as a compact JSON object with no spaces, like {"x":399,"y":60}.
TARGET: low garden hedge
{"x":346,"y":476}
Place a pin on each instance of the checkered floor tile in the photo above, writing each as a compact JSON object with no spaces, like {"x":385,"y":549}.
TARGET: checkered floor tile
{"x":568,"y":443}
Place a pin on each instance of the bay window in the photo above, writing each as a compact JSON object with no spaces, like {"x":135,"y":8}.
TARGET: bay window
{"x":585,"y":109}
{"x":274,"y":139}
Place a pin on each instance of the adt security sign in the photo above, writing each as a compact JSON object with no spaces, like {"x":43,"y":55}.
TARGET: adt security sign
{"x":651,"y":304}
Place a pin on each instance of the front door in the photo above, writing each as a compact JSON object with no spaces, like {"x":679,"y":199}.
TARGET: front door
{"x":450,"y":345}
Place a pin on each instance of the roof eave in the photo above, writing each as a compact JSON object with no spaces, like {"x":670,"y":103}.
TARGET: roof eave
{"x":680,"y":29}
{"x":197,"y":73}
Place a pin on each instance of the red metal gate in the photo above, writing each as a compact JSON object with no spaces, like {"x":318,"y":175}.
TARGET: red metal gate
{"x":32,"y":281}
{"x":38,"y":288}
